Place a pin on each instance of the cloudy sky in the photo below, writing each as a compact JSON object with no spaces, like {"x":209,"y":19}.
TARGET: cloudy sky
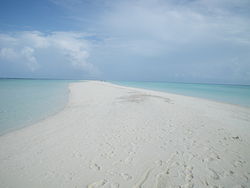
{"x":134,"y":40}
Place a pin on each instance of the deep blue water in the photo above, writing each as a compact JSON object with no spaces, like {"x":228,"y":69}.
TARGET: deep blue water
{"x":234,"y":94}
{"x":26,"y":101}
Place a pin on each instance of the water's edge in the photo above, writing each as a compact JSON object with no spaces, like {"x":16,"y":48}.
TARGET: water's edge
{"x":223,"y":93}
{"x":34,"y":118}
{"x":46,"y":116}
{"x":39,"y":119}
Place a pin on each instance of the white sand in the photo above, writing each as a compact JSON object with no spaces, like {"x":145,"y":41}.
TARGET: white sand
{"x":113,"y":136}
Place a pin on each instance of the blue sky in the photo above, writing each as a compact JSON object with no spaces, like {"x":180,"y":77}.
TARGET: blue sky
{"x":133,"y":40}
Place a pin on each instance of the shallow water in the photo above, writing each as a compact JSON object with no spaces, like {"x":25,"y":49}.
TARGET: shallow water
{"x":234,"y":94}
{"x":26,"y":101}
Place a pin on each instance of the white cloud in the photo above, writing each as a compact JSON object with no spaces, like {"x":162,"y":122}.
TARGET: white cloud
{"x":163,"y":25}
{"x":157,"y":39}
{"x":25,"y":47}
{"x":24,"y":54}
{"x":8,"y":53}
{"x":28,"y":54}
{"x":176,"y":22}
{"x":34,"y":38}
{"x":73,"y":46}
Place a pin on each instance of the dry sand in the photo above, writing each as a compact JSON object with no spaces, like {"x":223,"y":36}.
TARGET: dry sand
{"x":112,"y":136}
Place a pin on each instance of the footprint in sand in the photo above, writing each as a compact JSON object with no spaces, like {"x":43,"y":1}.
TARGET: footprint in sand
{"x":126,"y":176}
{"x":159,"y":163}
{"x":97,"y":184}
{"x":103,"y":184}
{"x":162,"y":180}
{"x":94,"y":166}
{"x":128,"y":160}
{"x":238,"y":163}
{"x":143,"y":179}
{"x":114,"y":185}
{"x":108,"y":155}
{"x":188,"y":176}
{"x":213,"y":174}
{"x":77,"y":154}
{"x":239,"y":186}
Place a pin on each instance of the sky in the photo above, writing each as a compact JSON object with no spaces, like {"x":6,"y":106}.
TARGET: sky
{"x":197,"y":41}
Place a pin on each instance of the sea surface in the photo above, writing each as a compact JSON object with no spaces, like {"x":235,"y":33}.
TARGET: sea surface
{"x":233,"y":94}
{"x":26,"y":101}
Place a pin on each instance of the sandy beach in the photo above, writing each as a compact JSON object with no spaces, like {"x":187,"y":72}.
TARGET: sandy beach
{"x":112,"y":136}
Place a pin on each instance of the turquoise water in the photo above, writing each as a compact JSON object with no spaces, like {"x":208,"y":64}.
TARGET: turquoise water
{"x":234,"y":94}
{"x":24,"y":101}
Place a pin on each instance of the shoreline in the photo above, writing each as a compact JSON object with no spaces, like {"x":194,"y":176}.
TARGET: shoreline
{"x":121,"y":86}
{"x":182,"y":95}
{"x":27,"y":102}
{"x":193,"y":96}
{"x":109,"y":135}
{"x":126,"y":87}
{"x":34,"y":122}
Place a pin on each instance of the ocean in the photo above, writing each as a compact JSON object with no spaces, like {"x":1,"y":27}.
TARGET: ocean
{"x":233,"y":94}
{"x":26,"y":101}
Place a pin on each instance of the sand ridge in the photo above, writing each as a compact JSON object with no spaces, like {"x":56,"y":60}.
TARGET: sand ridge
{"x":115,"y":136}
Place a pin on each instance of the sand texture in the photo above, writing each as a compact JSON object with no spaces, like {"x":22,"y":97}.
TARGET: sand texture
{"x":111,"y":136}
